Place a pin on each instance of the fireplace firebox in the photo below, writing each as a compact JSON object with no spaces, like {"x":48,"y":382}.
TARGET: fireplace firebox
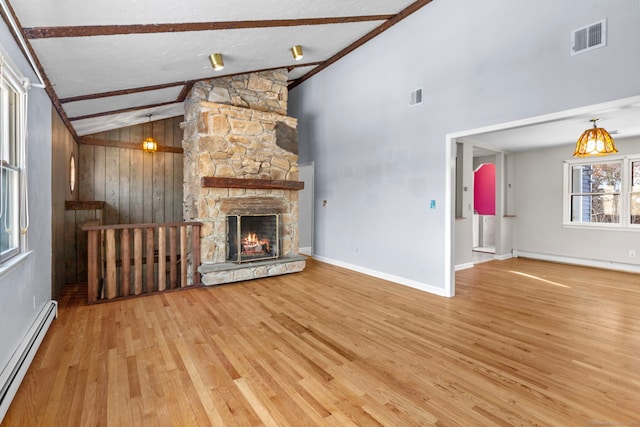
{"x":252,"y":237}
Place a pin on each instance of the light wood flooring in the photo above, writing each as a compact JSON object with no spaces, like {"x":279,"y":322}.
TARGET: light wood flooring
{"x":524,"y":342}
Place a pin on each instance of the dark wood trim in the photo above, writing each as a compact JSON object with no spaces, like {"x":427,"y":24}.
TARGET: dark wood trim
{"x":83,"y":205}
{"x":48,"y":87}
{"x":188,"y":84}
{"x":185,"y":91}
{"x":265,"y":184}
{"x":134,"y":226}
{"x":414,"y":7}
{"x":123,"y":110}
{"x":110,"y":30}
{"x":120,"y":92}
{"x":87,"y":140}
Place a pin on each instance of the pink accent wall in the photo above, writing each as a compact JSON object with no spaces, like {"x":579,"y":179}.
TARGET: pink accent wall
{"x":484,"y":189}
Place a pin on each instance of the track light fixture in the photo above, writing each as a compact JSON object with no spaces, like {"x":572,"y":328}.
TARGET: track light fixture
{"x":296,"y":51}
{"x":216,"y":61}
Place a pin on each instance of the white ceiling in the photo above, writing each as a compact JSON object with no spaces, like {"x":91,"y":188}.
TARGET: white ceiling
{"x":620,"y":118}
{"x":111,"y":63}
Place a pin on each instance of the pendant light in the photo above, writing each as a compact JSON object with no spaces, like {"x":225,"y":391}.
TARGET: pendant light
{"x":594,"y":142}
{"x":149,"y":145}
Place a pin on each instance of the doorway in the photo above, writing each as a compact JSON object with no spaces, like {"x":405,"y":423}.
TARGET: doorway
{"x":484,"y":212}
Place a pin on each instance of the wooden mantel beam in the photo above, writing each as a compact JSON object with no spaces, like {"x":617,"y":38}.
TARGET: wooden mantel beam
{"x":266,"y":184}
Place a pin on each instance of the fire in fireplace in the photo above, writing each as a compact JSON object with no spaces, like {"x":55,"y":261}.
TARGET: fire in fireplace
{"x":252,"y":237}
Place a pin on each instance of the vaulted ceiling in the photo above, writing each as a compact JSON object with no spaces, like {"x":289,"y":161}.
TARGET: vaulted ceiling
{"x":112,"y":63}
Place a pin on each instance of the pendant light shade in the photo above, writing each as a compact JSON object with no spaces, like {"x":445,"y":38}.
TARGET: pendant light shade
{"x":594,"y":142}
{"x":150,"y":145}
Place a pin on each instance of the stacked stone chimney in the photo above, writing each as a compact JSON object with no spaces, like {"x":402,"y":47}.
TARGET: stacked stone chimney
{"x":236,"y":127}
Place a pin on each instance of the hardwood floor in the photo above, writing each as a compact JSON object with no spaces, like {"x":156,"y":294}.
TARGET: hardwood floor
{"x":523,"y":343}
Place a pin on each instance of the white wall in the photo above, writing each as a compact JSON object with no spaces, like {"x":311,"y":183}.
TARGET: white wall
{"x":24,"y":290}
{"x":379,"y":162}
{"x":539,"y":228}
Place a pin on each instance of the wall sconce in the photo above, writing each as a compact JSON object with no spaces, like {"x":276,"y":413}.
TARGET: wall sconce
{"x":594,"y":142}
{"x":296,"y":51}
{"x":150,"y":145}
{"x":216,"y":61}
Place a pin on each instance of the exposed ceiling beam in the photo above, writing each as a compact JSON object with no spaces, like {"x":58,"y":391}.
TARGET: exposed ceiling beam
{"x":188,"y":84}
{"x":122,"y":110}
{"x":414,"y":7}
{"x":121,"y":92}
{"x":110,"y":30}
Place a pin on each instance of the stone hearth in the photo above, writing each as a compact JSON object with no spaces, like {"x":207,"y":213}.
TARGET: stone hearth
{"x":240,"y":158}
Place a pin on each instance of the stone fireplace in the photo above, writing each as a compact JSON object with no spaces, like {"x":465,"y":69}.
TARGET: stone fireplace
{"x":240,"y":166}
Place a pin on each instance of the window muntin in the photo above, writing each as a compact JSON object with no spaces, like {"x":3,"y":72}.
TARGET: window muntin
{"x":11,"y":107}
{"x":595,"y":193}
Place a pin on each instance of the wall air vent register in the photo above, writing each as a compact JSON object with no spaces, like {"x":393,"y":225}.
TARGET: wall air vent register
{"x":589,"y":38}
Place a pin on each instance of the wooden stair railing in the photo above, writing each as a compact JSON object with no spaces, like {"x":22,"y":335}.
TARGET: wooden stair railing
{"x":111,"y":258}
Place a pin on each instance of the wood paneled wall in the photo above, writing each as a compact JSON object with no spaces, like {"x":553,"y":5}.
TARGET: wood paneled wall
{"x":137,"y":187}
{"x":63,"y":147}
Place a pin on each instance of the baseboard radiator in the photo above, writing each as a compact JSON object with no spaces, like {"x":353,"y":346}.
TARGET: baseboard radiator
{"x":12,"y":375}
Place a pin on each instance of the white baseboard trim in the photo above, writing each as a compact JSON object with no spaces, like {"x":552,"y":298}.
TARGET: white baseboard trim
{"x":380,"y":275}
{"x":307,"y":250}
{"x":503,"y":257}
{"x":608,"y":265}
{"x":13,"y":373}
{"x":464,"y":266}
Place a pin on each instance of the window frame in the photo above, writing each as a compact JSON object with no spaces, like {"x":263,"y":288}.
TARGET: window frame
{"x":624,"y":194}
{"x":13,"y":158}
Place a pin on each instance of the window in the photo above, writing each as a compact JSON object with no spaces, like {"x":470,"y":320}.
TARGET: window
{"x":603,"y":193}
{"x":12,"y":116}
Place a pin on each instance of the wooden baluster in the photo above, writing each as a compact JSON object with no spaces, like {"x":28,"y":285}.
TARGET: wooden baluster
{"x":137,"y":261}
{"x":195,"y":253}
{"x":173,"y":257}
{"x":183,"y":256}
{"x":92,"y":265}
{"x":150,"y":260}
{"x":112,"y":290}
{"x":125,"y":251}
{"x":162,"y":258}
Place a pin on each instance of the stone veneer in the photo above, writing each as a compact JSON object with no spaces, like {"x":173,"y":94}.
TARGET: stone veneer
{"x":236,"y":127}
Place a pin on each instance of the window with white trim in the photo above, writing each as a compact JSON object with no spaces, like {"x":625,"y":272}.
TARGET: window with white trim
{"x":12,"y":162}
{"x":602,"y":193}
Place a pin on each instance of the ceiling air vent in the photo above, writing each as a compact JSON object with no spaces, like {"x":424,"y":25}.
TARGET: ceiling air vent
{"x":590,"y":37}
{"x":416,"y":97}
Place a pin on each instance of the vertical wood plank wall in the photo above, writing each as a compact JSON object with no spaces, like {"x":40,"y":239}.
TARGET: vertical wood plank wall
{"x":137,"y":187}
{"x":63,"y":250}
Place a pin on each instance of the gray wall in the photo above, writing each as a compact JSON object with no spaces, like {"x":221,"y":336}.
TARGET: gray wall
{"x":379,"y":162}
{"x":539,"y":229}
{"x":24,"y":290}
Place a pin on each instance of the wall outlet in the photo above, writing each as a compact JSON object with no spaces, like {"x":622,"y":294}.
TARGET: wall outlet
{"x":358,"y":251}
{"x":632,"y":253}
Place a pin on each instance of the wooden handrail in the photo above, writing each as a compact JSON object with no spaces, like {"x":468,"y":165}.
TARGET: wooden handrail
{"x":111,"y":255}
{"x":132,"y":226}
